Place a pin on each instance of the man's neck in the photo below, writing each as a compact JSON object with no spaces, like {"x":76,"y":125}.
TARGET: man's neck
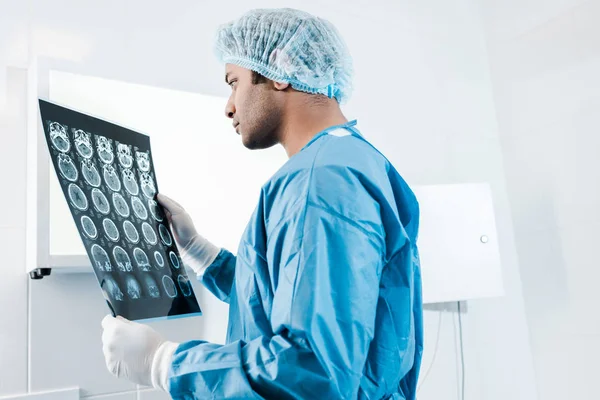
{"x":303,"y":122}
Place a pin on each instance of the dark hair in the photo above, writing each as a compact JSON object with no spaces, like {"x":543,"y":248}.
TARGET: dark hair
{"x":258,"y":78}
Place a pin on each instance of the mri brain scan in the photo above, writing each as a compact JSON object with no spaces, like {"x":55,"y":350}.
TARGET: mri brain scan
{"x":77,"y":197}
{"x":152,"y":287}
{"x":149,"y":234}
{"x":148,"y":187}
{"x":155,"y":210}
{"x":141,"y":259}
{"x":111,"y":178}
{"x":100,"y":202}
{"x":143,"y":161}
{"x":83,"y":143}
{"x":89,"y":228}
{"x":120,"y":204}
{"x":184,"y":285}
{"x":134,"y":291}
{"x":122,"y":259}
{"x":174,"y":259}
{"x":90,"y":173}
{"x":67,"y":168}
{"x":165,"y":236}
{"x":124,"y":155}
{"x":101,"y":260}
{"x":105,"y":150}
{"x":131,"y":232}
{"x":59,"y":137}
{"x":160,"y":260}
{"x":106,"y":174}
{"x":110,"y":229}
{"x":169,"y":286}
{"x":130,"y":182}
{"x":111,"y":289}
{"x":138,"y":208}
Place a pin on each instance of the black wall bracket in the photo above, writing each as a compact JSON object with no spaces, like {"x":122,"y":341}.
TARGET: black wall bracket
{"x":40,"y":273}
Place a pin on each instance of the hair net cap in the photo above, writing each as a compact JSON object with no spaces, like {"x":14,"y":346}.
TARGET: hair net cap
{"x":291,"y":46}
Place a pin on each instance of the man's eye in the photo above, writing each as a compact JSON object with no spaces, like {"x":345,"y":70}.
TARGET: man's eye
{"x":232,"y":82}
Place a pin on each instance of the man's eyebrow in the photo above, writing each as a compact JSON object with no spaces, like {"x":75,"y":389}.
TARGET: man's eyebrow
{"x":227,"y":78}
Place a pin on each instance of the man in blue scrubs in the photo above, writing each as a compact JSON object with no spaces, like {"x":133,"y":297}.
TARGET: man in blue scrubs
{"x":325,"y":289}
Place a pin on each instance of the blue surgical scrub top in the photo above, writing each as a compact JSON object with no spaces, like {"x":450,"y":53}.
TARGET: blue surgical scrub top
{"x":325,"y":289}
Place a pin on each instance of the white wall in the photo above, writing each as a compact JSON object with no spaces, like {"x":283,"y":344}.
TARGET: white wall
{"x":423,"y":96}
{"x":545,"y":58}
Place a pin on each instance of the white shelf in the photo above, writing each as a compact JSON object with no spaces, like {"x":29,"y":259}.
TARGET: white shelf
{"x":63,"y":264}
{"x":57,"y":394}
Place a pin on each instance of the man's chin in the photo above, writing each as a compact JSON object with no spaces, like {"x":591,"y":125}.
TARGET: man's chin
{"x":248,"y":142}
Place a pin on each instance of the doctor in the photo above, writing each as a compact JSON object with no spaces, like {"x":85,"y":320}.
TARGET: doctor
{"x":325,"y":291}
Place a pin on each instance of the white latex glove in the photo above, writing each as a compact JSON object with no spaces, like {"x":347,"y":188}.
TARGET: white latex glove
{"x":136,"y":352}
{"x":196,"y":252}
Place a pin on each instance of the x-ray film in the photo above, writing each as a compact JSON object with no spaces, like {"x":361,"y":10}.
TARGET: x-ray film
{"x":107,"y":176}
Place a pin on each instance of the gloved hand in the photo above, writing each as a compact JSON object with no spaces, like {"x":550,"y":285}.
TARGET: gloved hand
{"x":136,"y":352}
{"x":196,"y":252}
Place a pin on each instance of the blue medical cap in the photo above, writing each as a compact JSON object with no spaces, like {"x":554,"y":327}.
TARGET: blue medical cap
{"x":291,"y":46}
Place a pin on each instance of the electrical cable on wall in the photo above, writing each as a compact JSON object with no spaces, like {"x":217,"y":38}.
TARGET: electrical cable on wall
{"x":462,"y":353}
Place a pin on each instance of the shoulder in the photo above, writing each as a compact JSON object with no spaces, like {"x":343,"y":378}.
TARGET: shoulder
{"x":346,"y":179}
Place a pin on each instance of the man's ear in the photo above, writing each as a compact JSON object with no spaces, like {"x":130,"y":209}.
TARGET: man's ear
{"x":280,"y":85}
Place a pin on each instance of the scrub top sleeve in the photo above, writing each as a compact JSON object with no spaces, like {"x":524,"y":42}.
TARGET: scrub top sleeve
{"x":218,"y":277}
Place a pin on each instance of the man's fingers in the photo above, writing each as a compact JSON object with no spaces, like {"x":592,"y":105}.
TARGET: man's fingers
{"x":168,"y":215}
{"x":124,"y":320}
{"x":107,"y":321}
{"x":169,"y":204}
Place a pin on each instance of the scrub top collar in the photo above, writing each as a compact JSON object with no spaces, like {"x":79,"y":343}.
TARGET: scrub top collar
{"x":348,"y":125}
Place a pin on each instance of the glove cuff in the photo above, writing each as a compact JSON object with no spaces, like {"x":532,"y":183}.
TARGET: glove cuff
{"x":161,"y":364}
{"x":199,"y":254}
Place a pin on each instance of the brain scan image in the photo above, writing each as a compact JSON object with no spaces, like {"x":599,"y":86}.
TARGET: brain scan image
{"x":124,"y":155}
{"x":155,"y":210}
{"x":134,"y":291}
{"x":111,"y":178}
{"x":105,"y":150}
{"x":165,"y":236}
{"x":120,"y":204}
{"x":90,"y":173}
{"x":77,"y":197}
{"x":152,"y":287}
{"x":160,"y":260}
{"x":100,"y":201}
{"x":174,"y":259}
{"x":149,"y":233}
{"x":143,"y":161}
{"x":110,"y":229}
{"x":59,"y":137}
{"x":130,"y":232}
{"x":101,"y":260}
{"x":169,"y":286}
{"x":111,"y":289}
{"x":184,"y":285}
{"x":83,"y":143}
{"x":141,"y":259}
{"x":148,"y":187}
{"x":89,"y":228}
{"x":107,"y":178}
{"x":130,"y":183}
{"x":122,"y":259}
{"x":67,"y":167}
{"x":138,"y":208}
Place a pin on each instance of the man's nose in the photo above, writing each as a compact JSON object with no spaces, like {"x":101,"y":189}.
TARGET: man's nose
{"x":230,"y":109}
